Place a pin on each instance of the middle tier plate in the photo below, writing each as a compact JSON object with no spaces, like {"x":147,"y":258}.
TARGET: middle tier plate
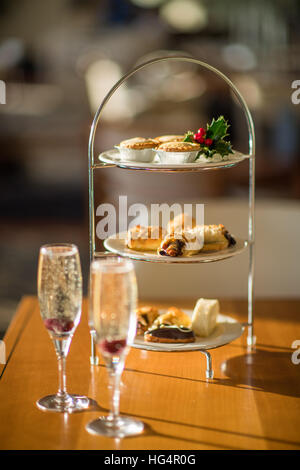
{"x":117,"y":244}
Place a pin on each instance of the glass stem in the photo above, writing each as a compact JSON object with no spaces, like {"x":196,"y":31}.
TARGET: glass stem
{"x":62,"y":390}
{"x":62,"y":348}
{"x":114,"y":381}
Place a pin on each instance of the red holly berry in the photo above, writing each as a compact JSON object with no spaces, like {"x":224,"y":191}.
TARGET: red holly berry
{"x":208,"y":142}
{"x":201,"y":132}
{"x":199,"y":138}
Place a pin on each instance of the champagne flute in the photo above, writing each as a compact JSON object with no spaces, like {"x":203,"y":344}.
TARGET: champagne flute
{"x":113,"y":297}
{"x":60,"y":299}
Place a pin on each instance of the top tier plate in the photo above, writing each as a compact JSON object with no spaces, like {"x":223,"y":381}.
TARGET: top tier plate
{"x":112,"y":157}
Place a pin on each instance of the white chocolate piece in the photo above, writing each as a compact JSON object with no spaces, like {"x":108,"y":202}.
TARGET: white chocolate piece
{"x":205,"y":316}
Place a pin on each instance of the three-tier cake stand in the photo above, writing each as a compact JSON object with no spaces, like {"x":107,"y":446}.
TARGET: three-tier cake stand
{"x":245,"y":244}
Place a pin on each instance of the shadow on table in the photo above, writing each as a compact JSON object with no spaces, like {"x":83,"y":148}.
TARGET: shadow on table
{"x":149,"y":431}
{"x":268,"y":371}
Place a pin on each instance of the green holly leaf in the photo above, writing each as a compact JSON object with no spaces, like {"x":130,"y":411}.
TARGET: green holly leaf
{"x":223,"y":147}
{"x":189,"y":137}
{"x":217,"y":129}
{"x":206,"y":151}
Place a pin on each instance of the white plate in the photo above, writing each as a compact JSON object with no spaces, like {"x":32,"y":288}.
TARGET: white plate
{"x":119,"y":247}
{"x":113,"y":157}
{"x":226,"y":330}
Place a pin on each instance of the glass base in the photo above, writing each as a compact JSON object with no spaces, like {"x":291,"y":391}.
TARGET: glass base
{"x":121,"y":428}
{"x":69,"y":404}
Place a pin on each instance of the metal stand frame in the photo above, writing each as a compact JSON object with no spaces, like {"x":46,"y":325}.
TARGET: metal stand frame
{"x":251,"y":142}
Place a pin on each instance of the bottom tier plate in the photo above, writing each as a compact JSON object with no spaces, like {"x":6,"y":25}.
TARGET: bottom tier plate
{"x":226,"y":331}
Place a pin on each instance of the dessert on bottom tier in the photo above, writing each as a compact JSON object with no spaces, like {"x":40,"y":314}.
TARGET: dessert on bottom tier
{"x":176,"y":326}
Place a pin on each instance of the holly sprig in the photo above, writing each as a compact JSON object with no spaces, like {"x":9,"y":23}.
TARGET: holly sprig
{"x":213,"y":139}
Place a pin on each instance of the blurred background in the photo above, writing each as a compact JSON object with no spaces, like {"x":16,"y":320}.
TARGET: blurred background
{"x":58,"y":59}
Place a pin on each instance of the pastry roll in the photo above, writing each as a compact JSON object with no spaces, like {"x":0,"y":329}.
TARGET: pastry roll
{"x":216,"y":238}
{"x":173,"y":316}
{"x":145,"y":238}
{"x":145,"y":317}
{"x":172,"y":246}
{"x":184,"y":243}
{"x":198,"y":239}
{"x":180,"y":223}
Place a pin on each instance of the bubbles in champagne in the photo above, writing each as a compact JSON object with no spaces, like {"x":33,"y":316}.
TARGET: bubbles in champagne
{"x":113,"y":303}
{"x":60,"y":288}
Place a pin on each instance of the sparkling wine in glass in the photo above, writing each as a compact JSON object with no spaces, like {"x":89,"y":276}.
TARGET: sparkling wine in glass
{"x":113,"y":299}
{"x":60,"y":299}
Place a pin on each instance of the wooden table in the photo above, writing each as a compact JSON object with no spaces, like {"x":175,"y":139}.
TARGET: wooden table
{"x":252,"y":402}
